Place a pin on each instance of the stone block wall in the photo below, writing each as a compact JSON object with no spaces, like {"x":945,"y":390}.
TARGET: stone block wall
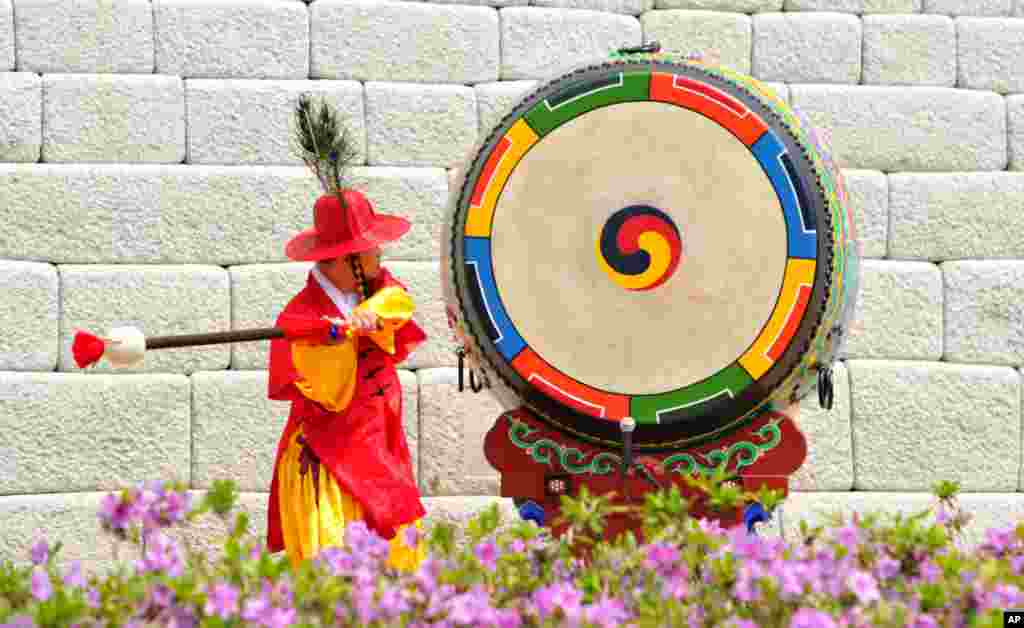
{"x":146,"y":178}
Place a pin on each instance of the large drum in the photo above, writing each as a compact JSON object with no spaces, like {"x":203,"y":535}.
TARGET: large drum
{"x":652,"y":238}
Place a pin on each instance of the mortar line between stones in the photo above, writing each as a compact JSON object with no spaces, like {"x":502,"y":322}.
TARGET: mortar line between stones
{"x":14,"y":34}
{"x":853,"y":431}
{"x":152,"y":18}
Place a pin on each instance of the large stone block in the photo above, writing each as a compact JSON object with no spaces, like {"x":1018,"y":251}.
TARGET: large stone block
{"x":159,"y":300}
{"x":989,"y":510}
{"x":494,"y":100}
{"x":989,"y":52}
{"x":859,"y":7}
{"x":915,"y":423}
{"x":153,"y":214}
{"x":232,"y":39}
{"x":452,"y":430}
{"x":115,"y":36}
{"x":69,"y":518}
{"x":736,"y":6}
{"x":720,"y":38}
{"x":7,"y":57}
{"x":981,"y":8}
{"x":787,"y":47}
{"x":419,"y":125}
{"x":236,"y":429}
{"x":869,"y":195}
{"x":1015,"y":115}
{"x":899,"y":312}
{"x":829,"y":464}
{"x":31,"y":313}
{"x":896,"y":129}
{"x":113,"y":118}
{"x":21,"y":117}
{"x":404,"y":41}
{"x":909,"y":50}
{"x":91,"y":432}
{"x":537,"y":43}
{"x":959,"y":215}
{"x":629,"y":7}
{"x":260,"y":292}
{"x":252,"y":121}
{"x":984,"y":309}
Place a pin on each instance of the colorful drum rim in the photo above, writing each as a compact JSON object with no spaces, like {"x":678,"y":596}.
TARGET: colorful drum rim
{"x":701,"y":411}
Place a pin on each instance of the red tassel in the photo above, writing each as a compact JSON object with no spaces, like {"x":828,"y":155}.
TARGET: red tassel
{"x":87,"y":349}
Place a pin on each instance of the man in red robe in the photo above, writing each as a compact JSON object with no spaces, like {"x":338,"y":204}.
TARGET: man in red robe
{"x":343,"y":455}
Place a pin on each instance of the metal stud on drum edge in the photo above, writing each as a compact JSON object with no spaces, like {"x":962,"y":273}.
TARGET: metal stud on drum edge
{"x":656,"y":239}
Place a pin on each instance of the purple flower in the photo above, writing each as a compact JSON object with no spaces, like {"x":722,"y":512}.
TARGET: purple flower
{"x":559,"y":596}
{"x":161,"y":556}
{"x":74,"y":578}
{"x":42,"y":589}
{"x":256,"y":609}
{"x":930,"y":572}
{"x":92,"y":598}
{"x":392,"y":603}
{"x":811,"y":618}
{"x":517,"y":546}
{"x":222,"y":601}
{"x":660,"y":557}
{"x":736,"y":622}
{"x":606,"y":613}
{"x":1017,"y":564}
{"x":40,"y":552}
{"x":999,"y":539}
{"x":21,"y":621}
{"x":508,"y":618}
{"x":886,"y":567}
{"x":487,"y":553}
{"x":280,"y":618}
{"x":924,"y":621}
{"x":411,"y":536}
{"x":472,"y":607}
{"x":864,"y":587}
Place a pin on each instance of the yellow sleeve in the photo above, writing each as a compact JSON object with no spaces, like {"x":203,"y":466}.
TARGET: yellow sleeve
{"x":328,"y":372}
{"x":394,"y":307}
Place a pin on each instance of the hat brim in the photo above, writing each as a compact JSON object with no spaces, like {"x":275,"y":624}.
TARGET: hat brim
{"x":306,"y":246}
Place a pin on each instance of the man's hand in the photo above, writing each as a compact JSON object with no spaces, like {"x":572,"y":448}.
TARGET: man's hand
{"x":364,"y":320}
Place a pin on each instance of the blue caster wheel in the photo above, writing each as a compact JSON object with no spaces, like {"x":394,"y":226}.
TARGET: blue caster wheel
{"x":753,"y":515}
{"x":529,"y":510}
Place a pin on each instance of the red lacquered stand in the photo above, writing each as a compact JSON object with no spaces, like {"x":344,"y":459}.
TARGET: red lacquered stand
{"x":538,"y":463}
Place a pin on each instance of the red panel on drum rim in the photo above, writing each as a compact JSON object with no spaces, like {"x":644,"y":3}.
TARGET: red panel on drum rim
{"x":559,"y":386}
{"x":796,"y":314}
{"x":488,"y":171}
{"x":705,"y":99}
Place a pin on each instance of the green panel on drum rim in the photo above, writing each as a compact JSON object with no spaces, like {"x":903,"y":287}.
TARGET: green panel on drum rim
{"x":679,"y":405}
{"x":584,"y":96}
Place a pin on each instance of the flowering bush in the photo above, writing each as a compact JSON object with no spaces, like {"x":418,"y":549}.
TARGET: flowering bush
{"x":866,"y":571}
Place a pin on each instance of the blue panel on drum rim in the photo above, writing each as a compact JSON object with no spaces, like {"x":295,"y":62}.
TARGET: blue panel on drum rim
{"x":800,"y":220}
{"x":478,"y":260}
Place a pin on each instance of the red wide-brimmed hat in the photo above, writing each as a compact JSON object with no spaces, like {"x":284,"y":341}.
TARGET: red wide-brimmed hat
{"x":339,"y":231}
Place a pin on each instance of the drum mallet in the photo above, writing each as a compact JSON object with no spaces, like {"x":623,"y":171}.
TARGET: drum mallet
{"x":627,"y":425}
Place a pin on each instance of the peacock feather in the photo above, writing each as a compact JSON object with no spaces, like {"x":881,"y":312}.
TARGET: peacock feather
{"x":324,"y":143}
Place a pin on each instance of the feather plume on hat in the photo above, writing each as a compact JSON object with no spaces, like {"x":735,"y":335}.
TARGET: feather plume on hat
{"x":324,"y":144}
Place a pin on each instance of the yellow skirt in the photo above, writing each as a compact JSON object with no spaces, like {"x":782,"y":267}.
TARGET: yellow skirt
{"x":313,"y":520}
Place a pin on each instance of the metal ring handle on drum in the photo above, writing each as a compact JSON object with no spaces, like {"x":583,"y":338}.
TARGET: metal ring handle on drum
{"x":826,"y":391}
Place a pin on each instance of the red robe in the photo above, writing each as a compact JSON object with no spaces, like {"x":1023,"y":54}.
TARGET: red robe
{"x":364,"y":446}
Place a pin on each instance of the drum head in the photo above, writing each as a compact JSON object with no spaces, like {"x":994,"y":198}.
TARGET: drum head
{"x":647,"y":239}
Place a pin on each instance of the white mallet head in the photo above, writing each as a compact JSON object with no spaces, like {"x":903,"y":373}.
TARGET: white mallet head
{"x":126,"y":347}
